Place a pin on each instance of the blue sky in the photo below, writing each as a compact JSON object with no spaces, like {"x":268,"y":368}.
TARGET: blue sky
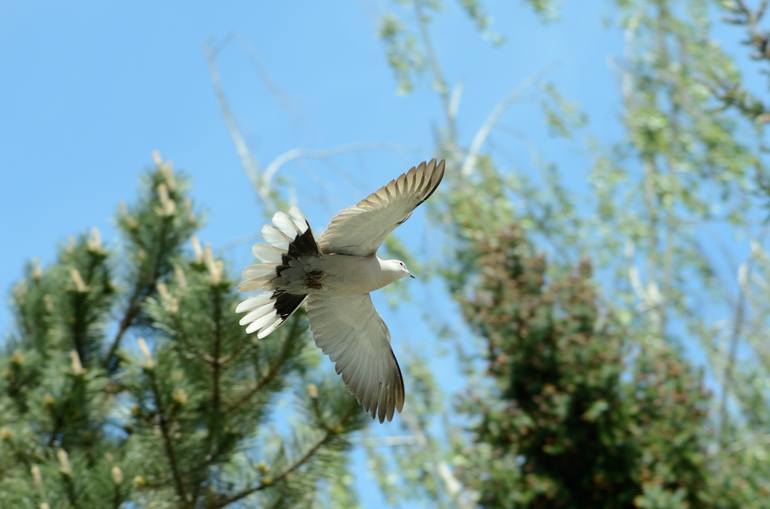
{"x":91,"y":88}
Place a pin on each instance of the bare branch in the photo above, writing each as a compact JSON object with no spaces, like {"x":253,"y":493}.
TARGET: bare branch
{"x":248,"y":162}
{"x":744,"y":275}
{"x":328,"y":435}
{"x":494,"y":116}
{"x":309,"y":153}
{"x":287,"y":102}
{"x":440,"y":82}
{"x":261,"y":178}
{"x":461,"y":496}
{"x":168,"y":443}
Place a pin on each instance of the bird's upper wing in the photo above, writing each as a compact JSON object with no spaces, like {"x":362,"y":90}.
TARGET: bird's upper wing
{"x":359,"y":230}
{"x":349,"y":330}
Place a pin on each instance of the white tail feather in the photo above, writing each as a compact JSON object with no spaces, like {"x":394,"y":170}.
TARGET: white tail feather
{"x":257,"y":313}
{"x":285,"y":225}
{"x":275,"y":237}
{"x":261,"y":311}
{"x":267,"y":253}
{"x":298,"y":218}
{"x":261,"y":321}
{"x":252,"y":303}
{"x":270,"y":328}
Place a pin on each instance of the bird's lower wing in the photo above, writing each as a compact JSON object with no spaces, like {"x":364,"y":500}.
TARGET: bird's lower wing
{"x":349,"y":330}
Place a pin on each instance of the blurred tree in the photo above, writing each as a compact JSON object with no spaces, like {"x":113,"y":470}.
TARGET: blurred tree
{"x":561,"y":427}
{"x":179,"y":417}
{"x":669,"y":208}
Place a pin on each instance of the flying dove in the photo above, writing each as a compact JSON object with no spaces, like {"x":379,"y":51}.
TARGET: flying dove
{"x":335,"y":276}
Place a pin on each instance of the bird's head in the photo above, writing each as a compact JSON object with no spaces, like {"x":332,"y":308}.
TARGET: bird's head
{"x":396,"y":269}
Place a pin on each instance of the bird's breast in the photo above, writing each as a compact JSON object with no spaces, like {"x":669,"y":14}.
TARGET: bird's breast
{"x":354,"y":275}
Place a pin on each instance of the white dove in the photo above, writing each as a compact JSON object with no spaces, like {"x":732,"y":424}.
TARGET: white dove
{"x":336,"y":275}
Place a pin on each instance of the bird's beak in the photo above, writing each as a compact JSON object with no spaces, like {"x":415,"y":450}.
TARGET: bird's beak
{"x":412,"y":276}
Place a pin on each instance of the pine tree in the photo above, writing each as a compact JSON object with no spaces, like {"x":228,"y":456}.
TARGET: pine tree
{"x":128,"y":380}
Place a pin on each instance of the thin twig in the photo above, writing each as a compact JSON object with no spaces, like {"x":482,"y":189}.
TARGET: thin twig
{"x":310,"y":153}
{"x":248,"y":162}
{"x":280,"y":94}
{"x":438,"y":74}
{"x":272,"y":372}
{"x":328,"y":435}
{"x":494,"y":116}
{"x":744,"y":274}
{"x":461,"y":496}
{"x":294,"y":466}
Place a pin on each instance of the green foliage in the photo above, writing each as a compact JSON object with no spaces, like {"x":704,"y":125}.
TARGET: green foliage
{"x":548,"y":10}
{"x":563,"y":117}
{"x":407,"y":46}
{"x":178,"y":418}
{"x":584,"y":394}
{"x":562,"y":426}
{"x":401,"y":51}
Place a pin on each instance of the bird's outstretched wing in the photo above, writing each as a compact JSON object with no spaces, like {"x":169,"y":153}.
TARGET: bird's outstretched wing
{"x":349,"y":330}
{"x":359,"y":230}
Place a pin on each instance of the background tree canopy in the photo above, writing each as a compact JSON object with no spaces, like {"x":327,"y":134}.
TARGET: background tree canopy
{"x":590,"y":325}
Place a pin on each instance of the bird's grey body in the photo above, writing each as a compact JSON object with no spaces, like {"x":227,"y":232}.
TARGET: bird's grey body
{"x":338,"y":274}
{"x":334,"y":277}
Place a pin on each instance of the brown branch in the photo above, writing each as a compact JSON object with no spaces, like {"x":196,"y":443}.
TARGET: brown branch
{"x":272,"y":482}
{"x":168,"y":444}
{"x":215,"y":361}
{"x":141,"y":289}
{"x":216,"y":364}
{"x":69,"y":488}
{"x":272,"y":371}
{"x":329,"y":434}
{"x":132,"y":311}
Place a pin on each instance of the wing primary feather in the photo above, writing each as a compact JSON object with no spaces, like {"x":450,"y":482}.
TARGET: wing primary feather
{"x":434,"y":181}
{"x":399,"y":381}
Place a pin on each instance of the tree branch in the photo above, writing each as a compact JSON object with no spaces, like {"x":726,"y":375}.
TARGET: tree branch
{"x":168,"y":444}
{"x":309,"y":153}
{"x":141,"y":289}
{"x":248,"y":162}
{"x":216,"y":365}
{"x":272,"y":371}
{"x":461,"y":496}
{"x":329,"y":434}
{"x":450,"y":105}
{"x":494,"y":116}
{"x":744,"y":273}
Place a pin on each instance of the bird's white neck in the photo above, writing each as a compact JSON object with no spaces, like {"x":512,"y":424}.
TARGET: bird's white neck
{"x":390,"y":270}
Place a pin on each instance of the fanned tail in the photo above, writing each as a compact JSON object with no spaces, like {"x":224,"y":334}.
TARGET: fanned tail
{"x":289,"y":238}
